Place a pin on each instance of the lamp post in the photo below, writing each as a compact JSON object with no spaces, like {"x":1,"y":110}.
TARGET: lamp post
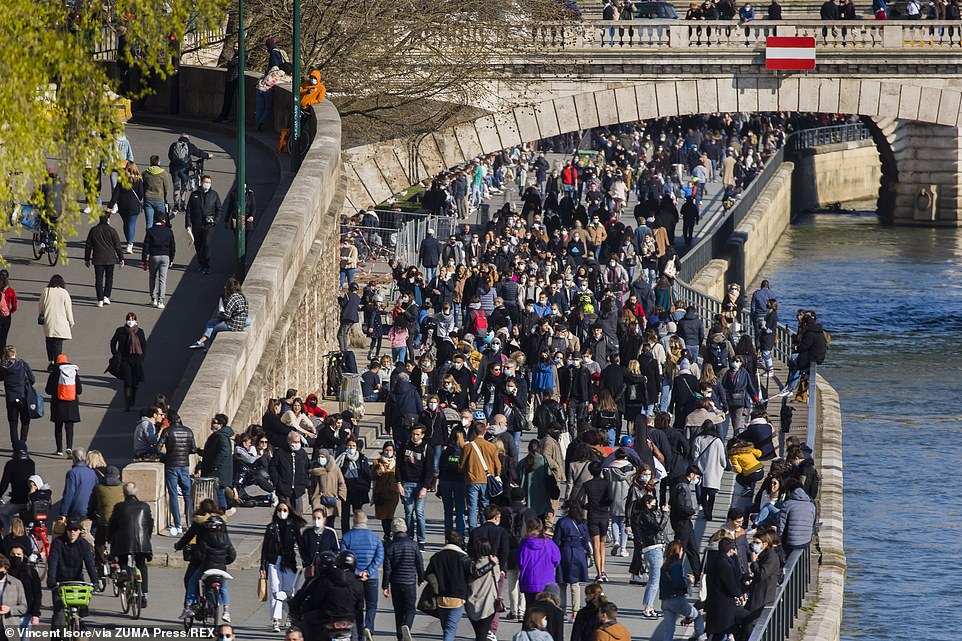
{"x":295,"y":141}
{"x":240,"y":178}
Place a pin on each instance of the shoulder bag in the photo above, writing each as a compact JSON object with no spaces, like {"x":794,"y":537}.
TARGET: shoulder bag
{"x":494,"y":485}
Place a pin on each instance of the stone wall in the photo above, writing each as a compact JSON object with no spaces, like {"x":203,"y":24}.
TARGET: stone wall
{"x":835,"y":174}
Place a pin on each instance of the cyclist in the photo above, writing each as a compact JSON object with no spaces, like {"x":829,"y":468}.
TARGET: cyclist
{"x":180,"y":154}
{"x":129,"y":534}
{"x":70,"y":555}
{"x":335,"y":596}
{"x":212,"y":550}
{"x":39,"y":502}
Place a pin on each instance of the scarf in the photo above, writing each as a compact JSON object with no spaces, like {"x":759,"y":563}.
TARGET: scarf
{"x":135,"y":346}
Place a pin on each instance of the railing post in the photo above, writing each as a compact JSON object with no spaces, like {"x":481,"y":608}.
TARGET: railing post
{"x":892,"y":36}
{"x":812,"y":406}
{"x":678,"y":36}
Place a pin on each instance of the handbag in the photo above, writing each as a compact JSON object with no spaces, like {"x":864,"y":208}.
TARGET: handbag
{"x":551,"y":485}
{"x":187,"y":552}
{"x":34,"y":403}
{"x":498,"y":601}
{"x":428,"y":601}
{"x":40,"y":319}
{"x":262,"y":588}
{"x":494,"y":485}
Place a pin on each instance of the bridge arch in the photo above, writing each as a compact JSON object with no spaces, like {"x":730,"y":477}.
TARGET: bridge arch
{"x":376,"y":172}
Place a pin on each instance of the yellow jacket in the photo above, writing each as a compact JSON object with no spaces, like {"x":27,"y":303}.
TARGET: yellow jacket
{"x":744,"y":459}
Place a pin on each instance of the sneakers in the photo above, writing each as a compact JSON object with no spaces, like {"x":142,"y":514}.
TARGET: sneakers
{"x":187,"y":614}
{"x":100,"y":303}
{"x":275,"y":625}
{"x":69,"y":452}
{"x":175,"y":531}
{"x":130,"y":248}
{"x":143,"y":601}
{"x":492,"y":636}
{"x":106,"y":301}
{"x":226,"y":616}
{"x":58,"y":453}
{"x":367,"y":635}
{"x":616,"y":551}
{"x":198,"y":345}
{"x":231,"y":511}
{"x":624,"y":553}
{"x":406,"y":633}
{"x":160,"y":304}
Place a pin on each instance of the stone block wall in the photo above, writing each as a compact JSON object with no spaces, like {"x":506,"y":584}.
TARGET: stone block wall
{"x":836,"y":174}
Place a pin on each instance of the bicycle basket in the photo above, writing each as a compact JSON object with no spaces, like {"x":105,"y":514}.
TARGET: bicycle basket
{"x":76,"y":594}
{"x":28,"y":216}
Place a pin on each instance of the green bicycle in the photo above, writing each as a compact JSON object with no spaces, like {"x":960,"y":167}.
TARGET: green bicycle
{"x":75,"y":596}
{"x":131,"y":589}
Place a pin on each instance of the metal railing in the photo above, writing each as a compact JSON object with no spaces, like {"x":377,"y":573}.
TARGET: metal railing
{"x":807,"y":138}
{"x":777,"y":619}
{"x":413,"y":231}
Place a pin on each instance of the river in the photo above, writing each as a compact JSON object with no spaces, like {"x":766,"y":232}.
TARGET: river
{"x":892,"y":299}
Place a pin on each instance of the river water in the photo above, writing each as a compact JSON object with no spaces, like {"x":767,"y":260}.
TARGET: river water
{"x":892,"y":299}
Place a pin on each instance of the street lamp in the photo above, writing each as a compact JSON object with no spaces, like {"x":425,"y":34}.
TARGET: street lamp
{"x":294,"y":143}
{"x":240,"y":178}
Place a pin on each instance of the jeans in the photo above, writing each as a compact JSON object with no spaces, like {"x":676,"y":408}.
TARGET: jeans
{"x":158,"y":277}
{"x":371,"y":593}
{"x":680,"y":607}
{"x":404,"y":598}
{"x":414,"y":511}
{"x":154,"y":208}
{"x":399,"y":354}
{"x":178,"y":477}
{"x":654,"y":557}
{"x":193,"y":589}
{"x":103,"y":281}
{"x":280,"y":580}
{"x":477,"y":499}
{"x":213,"y":326}
{"x":793,"y":372}
{"x":347,"y":276}
{"x":450,"y":617}
{"x":19,"y":416}
{"x":452,"y":496}
{"x":619,"y":535}
{"x":768,"y":515}
{"x":263,"y":101}
{"x":343,"y":334}
{"x":130,"y":227}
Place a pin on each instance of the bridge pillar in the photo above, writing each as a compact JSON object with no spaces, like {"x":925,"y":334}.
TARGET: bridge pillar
{"x":928,"y":187}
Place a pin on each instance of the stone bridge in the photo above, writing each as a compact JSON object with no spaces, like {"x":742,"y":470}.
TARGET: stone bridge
{"x":903,"y":78}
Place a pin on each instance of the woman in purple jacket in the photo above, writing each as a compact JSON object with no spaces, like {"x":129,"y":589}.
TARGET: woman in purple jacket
{"x":538,"y":559}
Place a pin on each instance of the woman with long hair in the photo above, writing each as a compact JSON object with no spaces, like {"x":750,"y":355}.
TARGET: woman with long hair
{"x":128,"y":348}
{"x":674,"y":585}
{"x":571,"y":536}
{"x":56,"y":316}
{"x":233,"y":315}
{"x":534,"y":480}
{"x":8,"y":306}
{"x":534,"y":627}
{"x":279,"y":553}
{"x":482,"y":591}
{"x":451,"y":395}
{"x":451,"y":485}
{"x":586,"y":621}
{"x":128,"y":200}
{"x":606,"y":417}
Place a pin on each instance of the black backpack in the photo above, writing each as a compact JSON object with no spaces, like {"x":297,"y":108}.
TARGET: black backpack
{"x":719,"y":354}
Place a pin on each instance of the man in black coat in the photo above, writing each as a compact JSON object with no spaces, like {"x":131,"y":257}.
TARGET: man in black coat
{"x":26,"y":573}
{"x":16,"y":476}
{"x":157,"y":256}
{"x":70,"y":555}
{"x":429,"y":255}
{"x":350,"y":304}
{"x":403,"y":572}
{"x":340,"y":594}
{"x":721,"y":614}
{"x":178,"y":443}
{"x":103,"y":249}
{"x":129,"y":530}
{"x":288,"y":470}
{"x":689,"y":215}
{"x":492,"y":532}
{"x":203,"y":210}
{"x":681,"y":514}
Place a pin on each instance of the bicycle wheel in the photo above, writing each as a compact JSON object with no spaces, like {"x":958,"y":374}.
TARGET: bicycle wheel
{"x":117,"y":587}
{"x":138,"y":594}
{"x":125,"y":597}
{"x":37,"y":239}
{"x":102,"y":584}
{"x":213,"y":609}
{"x":53,"y":253}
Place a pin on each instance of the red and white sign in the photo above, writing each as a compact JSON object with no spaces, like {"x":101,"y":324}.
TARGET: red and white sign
{"x":784,"y":53}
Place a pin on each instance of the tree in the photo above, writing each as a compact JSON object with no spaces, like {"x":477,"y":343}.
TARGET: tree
{"x":407,"y":66}
{"x":57,"y":107}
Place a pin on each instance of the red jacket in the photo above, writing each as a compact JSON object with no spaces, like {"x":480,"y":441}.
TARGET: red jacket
{"x":11,"y":297}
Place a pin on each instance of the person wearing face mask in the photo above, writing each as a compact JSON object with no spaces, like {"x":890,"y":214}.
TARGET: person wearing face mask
{"x":722,"y":614}
{"x":128,"y":348}
{"x":356,"y":470}
{"x":433,"y":419}
{"x":288,"y":470}
{"x":204,"y":209}
{"x":26,"y":573}
{"x":279,"y":551}
{"x":415,"y":473}
{"x":385,"y":495}
{"x":327,"y":486}
{"x":681,"y":515}
{"x":740,"y":390}
{"x":13,"y":599}
{"x":766,"y":570}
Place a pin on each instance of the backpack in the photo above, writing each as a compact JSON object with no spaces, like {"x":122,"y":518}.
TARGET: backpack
{"x":480,"y":320}
{"x":584,"y":301}
{"x":719,"y":354}
{"x":67,"y":383}
{"x":181,"y":152}
{"x":4,"y":305}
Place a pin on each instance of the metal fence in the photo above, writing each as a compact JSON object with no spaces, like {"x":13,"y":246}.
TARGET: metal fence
{"x":413,"y":231}
{"x":807,"y":138}
{"x":777,"y":619}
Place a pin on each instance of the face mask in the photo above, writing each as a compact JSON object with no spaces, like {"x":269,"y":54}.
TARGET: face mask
{"x":558,"y":361}
{"x":387,"y":455}
{"x":131,"y":323}
{"x":511,"y":390}
{"x":205,"y":186}
{"x":282,"y":515}
{"x":612,"y":263}
{"x":465,"y":422}
{"x":404,"y":300}
{"x":736,"y":366}
{"x":544,"y":623}
{"x":432,"y":406}
{"x":530,"y":308}
{"x":693,"y":483}
{"x":351,"y":454}
{"x":426,"y":364}
{"x":313,"y":81}
{"x":645,"y":478}
{"x":498,"y":429}
{"x":458,"y":365}
{"x":319,"y":524}
{"x":756,"y":548}
{"x":322,"y":461}
{"x":295,"y":447}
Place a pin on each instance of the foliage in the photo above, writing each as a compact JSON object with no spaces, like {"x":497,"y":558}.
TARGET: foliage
{"x":407,"y":66}
{"x":54,"y":106}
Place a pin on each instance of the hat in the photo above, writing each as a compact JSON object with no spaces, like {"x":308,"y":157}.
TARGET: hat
{"x":36,"y":479}
{"x":685,"y":364}
{"x":347,"y":415}
{"x":479,"y":415}
{"x":62,"y":358}
{"x":398,"y":525}
{"x":353,"y":287}
{"x":112,"y":471}
{"x":552,"y":588}
{"x":19,"y":446}
{"x":627,"y":441}
{"x":74,"y":524}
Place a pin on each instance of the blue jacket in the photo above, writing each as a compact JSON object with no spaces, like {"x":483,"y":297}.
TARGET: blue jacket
{"x":350,"y":307}
{"x":403,"y":563}
{"x":368,"y":548}
{"x":78,"y":485}
{"x":572,"y":538}
{"x":542,"y":379}
{"x":16,"y":376}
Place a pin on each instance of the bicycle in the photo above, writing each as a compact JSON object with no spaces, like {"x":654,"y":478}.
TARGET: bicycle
{"x":109,"y":571}
{"x":131,"y":589}
{"x":195,"y":169}
{"x":209,"y":610}
{"x":75,"y":596}
{"x":45,"y":241}
{"x":40,"y":546}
